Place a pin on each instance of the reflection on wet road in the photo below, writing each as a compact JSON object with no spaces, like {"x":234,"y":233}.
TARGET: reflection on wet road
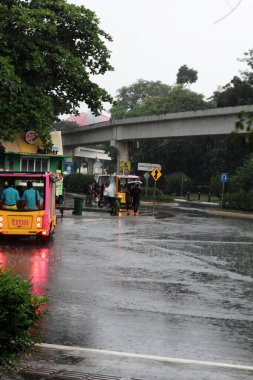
{"x":28,"y":260}
{"x":180,"y":286}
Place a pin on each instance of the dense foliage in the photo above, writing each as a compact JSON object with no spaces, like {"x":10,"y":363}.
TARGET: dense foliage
{"x":20,"y":313}
{"x":242,"y":180}
{"x":238,"y":201}
{"x":144,"y":98}
{"x":159,"y":195}
{"x":179,"y":99}
{"x":177,"y":184}
{"x":240,"y":92}
{"x":63,"y":125}
{"x":49,"y":49}
{"x":128,"y":97}
{"x":186,"y":75}
{"x":199,"y":158}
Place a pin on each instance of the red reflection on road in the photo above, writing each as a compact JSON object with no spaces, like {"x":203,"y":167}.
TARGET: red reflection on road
{"x":2,"y":260}
{"x":29,"y":265}
{"x":39,"y":270}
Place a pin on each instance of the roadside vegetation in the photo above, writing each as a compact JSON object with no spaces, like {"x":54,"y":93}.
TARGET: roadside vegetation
{"x":49,"y":54}
{"x":20,"y":313}
{"x":159,"y":195}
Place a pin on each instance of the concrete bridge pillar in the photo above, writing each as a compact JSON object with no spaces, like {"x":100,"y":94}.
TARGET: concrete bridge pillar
{"x":90,"y":165}
{"x":122,"y":151}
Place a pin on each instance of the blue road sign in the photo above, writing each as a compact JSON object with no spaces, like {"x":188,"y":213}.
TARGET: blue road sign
{"x":223,"y":177}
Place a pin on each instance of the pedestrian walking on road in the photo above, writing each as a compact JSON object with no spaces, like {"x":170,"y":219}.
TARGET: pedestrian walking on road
{"x":128,"y":198}
{"x":136,"y":193}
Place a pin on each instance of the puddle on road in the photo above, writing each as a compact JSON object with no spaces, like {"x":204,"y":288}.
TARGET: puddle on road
{"x":164,"y":215}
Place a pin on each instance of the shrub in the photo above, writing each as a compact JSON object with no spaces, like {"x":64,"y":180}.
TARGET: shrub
{"x":244,"y":175}
{"x":238,"y":201}
{"x":243,"y":179}
{"x":77,"y":183}
{"x":159,"y":195}
{"x":20,"y":313}
{"x":233,"y":185}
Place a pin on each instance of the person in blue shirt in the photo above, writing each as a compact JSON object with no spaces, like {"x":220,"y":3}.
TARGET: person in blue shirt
{"x":9,"y":197}
{"x":31,"y":197}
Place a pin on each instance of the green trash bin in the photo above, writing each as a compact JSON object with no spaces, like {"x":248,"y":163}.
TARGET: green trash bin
{"x":78,"y":206}
{"x":115,"y":205}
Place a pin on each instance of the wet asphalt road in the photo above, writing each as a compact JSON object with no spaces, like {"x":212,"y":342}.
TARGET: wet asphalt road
{"x":177,"y":285}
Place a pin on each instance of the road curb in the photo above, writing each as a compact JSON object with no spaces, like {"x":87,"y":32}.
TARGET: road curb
{"x":230,"y":214}
{"x":204,"y":206}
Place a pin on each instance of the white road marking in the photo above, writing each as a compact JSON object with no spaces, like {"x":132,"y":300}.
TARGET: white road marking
{"x":165,"y":359}
{"x":201,"y":241}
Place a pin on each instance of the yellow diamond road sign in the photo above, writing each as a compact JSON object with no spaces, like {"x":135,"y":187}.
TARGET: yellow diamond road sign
{"x":156,"y":174}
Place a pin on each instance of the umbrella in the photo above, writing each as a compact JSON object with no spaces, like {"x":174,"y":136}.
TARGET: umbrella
{"x":134,"y":182}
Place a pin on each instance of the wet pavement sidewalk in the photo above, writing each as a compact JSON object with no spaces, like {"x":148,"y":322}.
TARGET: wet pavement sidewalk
{"x":76,"y":363}
{"x":211,"y":208}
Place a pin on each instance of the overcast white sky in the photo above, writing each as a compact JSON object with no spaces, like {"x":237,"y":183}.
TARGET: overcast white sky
{"x":153,"y":38}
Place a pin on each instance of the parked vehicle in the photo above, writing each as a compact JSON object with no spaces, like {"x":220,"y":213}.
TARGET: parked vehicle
{"x":118,"y":184}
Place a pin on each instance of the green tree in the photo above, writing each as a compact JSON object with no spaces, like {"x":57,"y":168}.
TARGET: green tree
{"x":243,"y":179}
{"x":63,"y":125}
{"x":49,"y":49}
{"x":248,"y":59}
{"x":181,"y":99}
{"x":21,"y":311}
{"x":238,"y":92}
{"x":186,"y":75}
{"x":222,"y":154}
{"x":129,"y":97}
{"x":157,"y":100}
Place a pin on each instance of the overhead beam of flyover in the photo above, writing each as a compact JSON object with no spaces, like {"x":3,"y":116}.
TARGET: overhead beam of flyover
{"x":217,"y":121}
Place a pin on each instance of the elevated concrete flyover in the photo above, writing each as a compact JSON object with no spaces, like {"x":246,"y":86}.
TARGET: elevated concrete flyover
{"x":217,"y":121}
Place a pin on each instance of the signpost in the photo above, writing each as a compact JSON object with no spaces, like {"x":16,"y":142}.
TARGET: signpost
{"x":223,"y":179}
{"x":144,"y":166}
{"x":148,"y":167}
{"x":146,"y":176}
{"x":156,"y":174}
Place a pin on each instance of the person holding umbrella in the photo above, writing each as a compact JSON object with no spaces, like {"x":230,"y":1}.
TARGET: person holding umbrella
{"x":136,"y":193}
